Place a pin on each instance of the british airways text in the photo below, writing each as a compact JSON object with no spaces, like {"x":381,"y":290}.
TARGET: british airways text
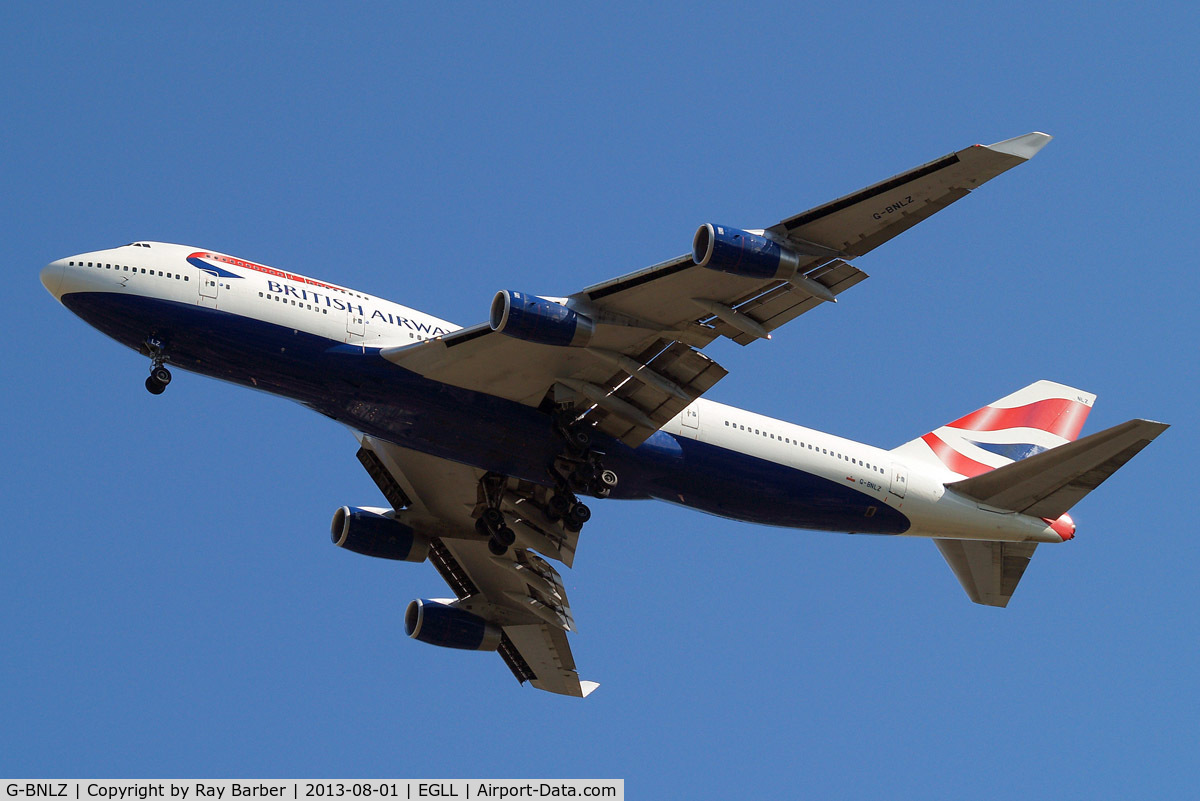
{"x":342,"y":305}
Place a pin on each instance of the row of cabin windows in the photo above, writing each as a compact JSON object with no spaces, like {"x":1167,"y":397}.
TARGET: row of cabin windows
{"x":308,"y":306}
{"x":185,"y":278}
{"x":809,"y":445}
{"x":176,"y":276}
{"x":346,"y":292}
{"x":119,"y":268}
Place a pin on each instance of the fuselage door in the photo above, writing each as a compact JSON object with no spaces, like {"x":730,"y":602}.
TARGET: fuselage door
{"x":899,"y":480}
{"x":208,"y":284}
{"x":691,"y":417}
{"x":356,"y":321}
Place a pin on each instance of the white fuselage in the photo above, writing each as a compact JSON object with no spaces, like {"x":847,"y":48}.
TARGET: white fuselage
{"x":180,"y":277}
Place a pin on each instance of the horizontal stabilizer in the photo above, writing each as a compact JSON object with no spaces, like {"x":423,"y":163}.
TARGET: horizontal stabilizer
{"x":988,"y":571}
{"x":1048,"y":484}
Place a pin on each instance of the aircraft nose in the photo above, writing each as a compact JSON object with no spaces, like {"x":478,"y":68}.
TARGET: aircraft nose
{"x":52,"y":275}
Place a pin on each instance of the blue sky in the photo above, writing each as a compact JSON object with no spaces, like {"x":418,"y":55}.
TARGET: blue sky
{"x":171,"y":604}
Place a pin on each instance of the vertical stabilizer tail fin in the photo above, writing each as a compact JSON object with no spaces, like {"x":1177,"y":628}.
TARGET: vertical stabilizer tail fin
{"x":1031,"y":420}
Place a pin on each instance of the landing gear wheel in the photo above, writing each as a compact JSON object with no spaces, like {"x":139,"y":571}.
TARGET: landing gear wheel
{"x":558,"y":506}
{"x":575,"y":519}
{"x":578,"y":515}
{"x":161,"y":374}
{"x":492,"y":517}
{"x":505,"y":536}
{"x":579,"y":439}
{"x":497,"y":548}
{"x":154,"y":386}
{"x":608,"y":478}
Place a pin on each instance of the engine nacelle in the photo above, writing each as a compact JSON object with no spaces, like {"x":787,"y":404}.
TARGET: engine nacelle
{"x":442,"y":624}
{"x":732,"y":250}
{"x":372,"y":533}
{"x":534,"y":319}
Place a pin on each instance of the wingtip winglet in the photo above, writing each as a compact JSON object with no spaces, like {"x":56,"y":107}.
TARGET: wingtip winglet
{"x":1023,"y":147}
{"x":586,"y":687}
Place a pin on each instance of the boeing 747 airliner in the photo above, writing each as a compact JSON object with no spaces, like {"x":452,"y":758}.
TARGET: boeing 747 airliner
{"x":484,"y":439}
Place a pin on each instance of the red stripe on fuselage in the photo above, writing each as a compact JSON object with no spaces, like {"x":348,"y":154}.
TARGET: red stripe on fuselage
{"x":1056,"y":415}
{"x":960,"y":464}
{"x":260,"y":268}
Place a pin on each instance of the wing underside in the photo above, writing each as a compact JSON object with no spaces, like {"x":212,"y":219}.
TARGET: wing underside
{"x":519,"y":591}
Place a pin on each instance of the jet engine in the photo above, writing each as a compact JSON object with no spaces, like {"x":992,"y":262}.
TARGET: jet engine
{"x":446,"y":625}
{"x":731,"y":250}
{"x":372,"y":532}
{"x":535,"y":319}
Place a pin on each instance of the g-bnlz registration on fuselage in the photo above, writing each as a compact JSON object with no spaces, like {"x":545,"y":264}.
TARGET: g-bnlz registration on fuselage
{"x":485,"y":440}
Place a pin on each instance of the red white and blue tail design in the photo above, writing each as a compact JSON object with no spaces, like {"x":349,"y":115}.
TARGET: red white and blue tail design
{"x":1041,"y":416}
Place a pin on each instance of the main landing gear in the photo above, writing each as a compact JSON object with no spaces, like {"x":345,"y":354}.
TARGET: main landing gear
{"x":491,"y":525}
{"x":577,"y":470}
{"x":491,"y":520}
{"x":160,"y":376}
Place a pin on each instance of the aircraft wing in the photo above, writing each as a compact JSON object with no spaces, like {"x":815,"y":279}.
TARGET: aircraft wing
{"x":519,"y":591}
{"x":641,"y":364}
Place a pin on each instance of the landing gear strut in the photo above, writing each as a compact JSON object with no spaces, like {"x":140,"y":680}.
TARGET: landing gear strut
{"x":160,"y":376}
{"x":577,"y":470}
{"x":491,"y":522}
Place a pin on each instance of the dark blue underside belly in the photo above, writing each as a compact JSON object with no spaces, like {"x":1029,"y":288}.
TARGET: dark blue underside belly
{"x":361,"y":389}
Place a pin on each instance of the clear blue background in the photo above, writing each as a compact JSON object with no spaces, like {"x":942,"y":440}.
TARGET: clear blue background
{"x":170,"y":604}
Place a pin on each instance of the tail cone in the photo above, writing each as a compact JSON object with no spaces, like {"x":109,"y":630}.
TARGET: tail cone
{"x":1064,"y":527}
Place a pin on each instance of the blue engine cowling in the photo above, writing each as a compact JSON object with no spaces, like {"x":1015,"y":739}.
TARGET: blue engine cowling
{"x":732,"y":250}
{"x":371,"y":533}
{"x":450,"y":627}
{"x":534,"y":319}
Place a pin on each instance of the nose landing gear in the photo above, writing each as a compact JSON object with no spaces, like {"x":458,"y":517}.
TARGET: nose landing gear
{"x":158,"y":379}
{"x":160,"y":376}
